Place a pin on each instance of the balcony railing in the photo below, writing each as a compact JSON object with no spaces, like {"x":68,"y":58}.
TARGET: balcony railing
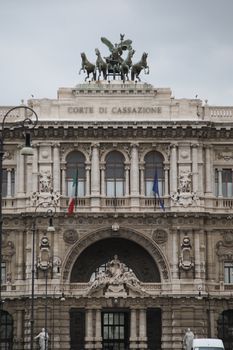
{"x":223,"y":203}
{"x":120,"y":204}
{"x":221,"y":113}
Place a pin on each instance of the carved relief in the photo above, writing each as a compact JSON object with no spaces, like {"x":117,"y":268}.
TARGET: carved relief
{"x":185,"y":258}
{"x":8,"y":250}
{"x":44,"y":257}
{"x":70,"y":236}
{"x":45,"y":179}
{"x":185,"y":179}
{"x":184,"y":196}
{"x":224,"y":248}
{"x":7,"y":155}
{"x":159,"y":236}
{"x":116,"y":280}
{"x":45,"y":196}
{"x":224,"y":155}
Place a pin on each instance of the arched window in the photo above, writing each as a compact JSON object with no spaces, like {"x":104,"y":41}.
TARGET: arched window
{"x":75,"y":174}
{"x":6,"y":330}
{"x":154,"y":173}
{"x":115,"y":174}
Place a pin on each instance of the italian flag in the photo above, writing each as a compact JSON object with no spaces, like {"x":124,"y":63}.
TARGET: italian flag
{"x":73,"y":198}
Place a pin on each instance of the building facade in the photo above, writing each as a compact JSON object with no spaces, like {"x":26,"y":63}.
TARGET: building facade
{"x":148,"y":250}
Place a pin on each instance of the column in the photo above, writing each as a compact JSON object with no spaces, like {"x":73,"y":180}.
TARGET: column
{"x":133,"y":329}
{"x":102,"y":177}
{"x":166,"y":184}
{"x":195,"y":167}
{"x":127,"y":180}
{"x":89,"y":329}
{"x":8,"y":182}
{"x":63,"y":180}
{"x":35,"y":169}
{"x":95,"y":178}
{"x":142,"y":329}
{"x":142,"y":179}
{"x":208,"y":171}
{"x":19,"y":328}
{"x":175,"y":253}
{"x":20,"y":254}
{"x":20,"y":173}
{"x":88,"y":168}
{"x":98,"y":337}
{"x":56,"y":168}
{"x":134,"y":176}
{"x":173,"y":169}
{"x":219,"y":182}
{"x":200,"y":170}
{"x":197,"y":255}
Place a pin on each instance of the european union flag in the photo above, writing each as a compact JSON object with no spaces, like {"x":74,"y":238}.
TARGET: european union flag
{"x":155,"y":189}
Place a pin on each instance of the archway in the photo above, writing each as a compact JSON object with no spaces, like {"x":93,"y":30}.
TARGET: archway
{"x":130,"y":253}
{"x":225,"y":328}
{"x":145,"y":242}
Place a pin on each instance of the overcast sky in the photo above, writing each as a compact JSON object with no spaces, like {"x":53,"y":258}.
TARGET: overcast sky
{"x":189,"y":44}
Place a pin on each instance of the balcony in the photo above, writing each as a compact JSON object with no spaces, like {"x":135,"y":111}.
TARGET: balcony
{"x":13,"y":205}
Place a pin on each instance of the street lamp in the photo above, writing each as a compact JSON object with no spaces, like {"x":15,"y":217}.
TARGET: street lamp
{"x":26,"y":120}
{"x":44,"y":264}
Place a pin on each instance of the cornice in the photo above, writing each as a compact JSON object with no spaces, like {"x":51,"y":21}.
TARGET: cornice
{"x":131,"y":130}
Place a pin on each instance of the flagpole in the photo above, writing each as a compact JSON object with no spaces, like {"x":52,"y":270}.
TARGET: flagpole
{"x":76,"y":190}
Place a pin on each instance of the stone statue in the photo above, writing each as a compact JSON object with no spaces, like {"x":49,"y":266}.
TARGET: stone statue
{"x":43,"y":339}
{"x":116,"y":274}
{"x":45,"y":181}
{"x":188,"y":340}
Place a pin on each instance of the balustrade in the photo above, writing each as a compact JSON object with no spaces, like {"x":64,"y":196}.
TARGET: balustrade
{"x":221,"y":113}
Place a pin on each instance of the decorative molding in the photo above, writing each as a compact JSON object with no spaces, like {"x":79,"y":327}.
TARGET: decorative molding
{"x":185,"y":262}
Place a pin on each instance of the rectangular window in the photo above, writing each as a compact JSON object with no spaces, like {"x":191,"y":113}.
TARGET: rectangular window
{"x":149,"y":188}
{"x":227,"y":182}
{"x":115,"y":188}
{"x":71,"y":188}
{"x":228,"y":272}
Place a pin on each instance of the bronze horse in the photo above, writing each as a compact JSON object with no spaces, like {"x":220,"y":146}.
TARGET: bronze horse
{"x":137,"y":67}
{"x":87,"y":67}
{"x":126,"y":65}
{"x":101,"y":65}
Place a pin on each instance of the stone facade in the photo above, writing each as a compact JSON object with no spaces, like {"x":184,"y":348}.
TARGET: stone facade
{"x":179,"y":245}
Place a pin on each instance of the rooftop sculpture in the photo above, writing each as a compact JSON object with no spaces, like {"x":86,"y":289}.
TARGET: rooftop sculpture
{"x":115,"y":65}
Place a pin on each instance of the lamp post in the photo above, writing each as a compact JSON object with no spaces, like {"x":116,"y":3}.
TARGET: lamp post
{"x":44,"y":264}
{"x":25,"y":122}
